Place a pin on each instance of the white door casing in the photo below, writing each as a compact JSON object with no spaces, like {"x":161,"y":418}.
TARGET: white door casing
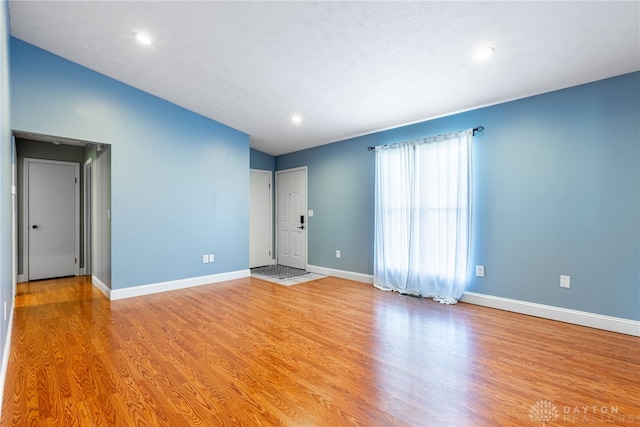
{"x":14,"y":213}
{"x":51,"y":219}
{"x":260,"y":219}
{"x":291,"y":224}
{"x":88,"y":217}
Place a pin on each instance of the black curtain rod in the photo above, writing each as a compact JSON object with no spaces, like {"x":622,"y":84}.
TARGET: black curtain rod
{"x":478,"y":129}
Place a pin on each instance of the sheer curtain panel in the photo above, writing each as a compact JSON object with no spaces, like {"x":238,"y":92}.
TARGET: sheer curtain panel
{"x":423,"y":216}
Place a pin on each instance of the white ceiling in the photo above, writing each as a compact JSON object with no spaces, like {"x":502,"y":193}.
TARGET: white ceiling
{"x":348,"y":68}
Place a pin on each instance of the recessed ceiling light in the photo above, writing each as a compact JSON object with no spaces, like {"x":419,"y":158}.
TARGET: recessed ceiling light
{"x":483,"y":53}
{"x":296,"y":118}
{"x":142,"y":38}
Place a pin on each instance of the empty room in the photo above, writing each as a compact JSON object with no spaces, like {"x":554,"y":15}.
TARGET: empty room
{"x":221,"y":213}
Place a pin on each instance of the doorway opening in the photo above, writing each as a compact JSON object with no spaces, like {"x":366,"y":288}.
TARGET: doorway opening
{"x":90,"y":165}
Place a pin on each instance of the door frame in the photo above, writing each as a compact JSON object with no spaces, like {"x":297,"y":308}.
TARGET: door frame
{"x":88,"y":217}
{"x":271,"y":246}
{"x":14,"y":217}
{"x":306,"y":211}
{"x":25,"y":213}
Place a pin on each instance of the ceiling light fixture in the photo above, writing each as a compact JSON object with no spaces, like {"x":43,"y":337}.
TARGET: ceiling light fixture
{"x":142,"y":38}
{"x":296,"y":118}
{"x":483,"y":53}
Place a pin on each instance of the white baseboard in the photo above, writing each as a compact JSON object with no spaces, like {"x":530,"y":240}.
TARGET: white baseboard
{"x":106,"y":290}
{"x":349,"y":275}
{"x":21,"y":278}
{"x":153,"y":288}
{"x":583,"y":318}
{"x":6,"y":353}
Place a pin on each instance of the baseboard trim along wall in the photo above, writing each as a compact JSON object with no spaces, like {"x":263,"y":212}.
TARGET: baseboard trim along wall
{"x":342,"y":274}
{"x":6,"y":353}
{"x":136,"y":291}
{"x":583,"y":318}
{"x":106,"y":290}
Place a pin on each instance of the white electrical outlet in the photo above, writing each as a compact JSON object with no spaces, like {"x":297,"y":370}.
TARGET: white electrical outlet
{"x":205,"y":259}
{"x":337,"y":254}
{"x":565,"y":281}
{"x":211,"y":257}
{"x":479,"y":270}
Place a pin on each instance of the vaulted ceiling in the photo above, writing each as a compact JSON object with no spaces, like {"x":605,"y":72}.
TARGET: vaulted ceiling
{"x":346,"y":68}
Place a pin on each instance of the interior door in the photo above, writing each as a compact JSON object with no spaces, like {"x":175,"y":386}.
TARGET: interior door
{"x":260,"y":228}
{"x":52,"y":217}
{"x":291,"y":222}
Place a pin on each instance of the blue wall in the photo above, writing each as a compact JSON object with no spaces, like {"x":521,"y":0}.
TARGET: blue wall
{"x":263,"y":161}
{"x":180,"y":182}
{"x":340,"y":179}
{"x":557,"y":192}
{"x":557,"y":185}
{"x":6,"y":254}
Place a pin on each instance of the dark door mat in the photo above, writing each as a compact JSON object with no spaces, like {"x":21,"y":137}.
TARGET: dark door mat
{"x":278,"y":271}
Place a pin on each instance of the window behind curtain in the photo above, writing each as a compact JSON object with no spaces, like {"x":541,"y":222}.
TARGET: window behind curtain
{"x":423,"y":216}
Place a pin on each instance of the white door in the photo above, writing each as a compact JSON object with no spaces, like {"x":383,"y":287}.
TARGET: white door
{"x":260,"y":234}
{"x":291,"y":222}
{"x":52,"y":217}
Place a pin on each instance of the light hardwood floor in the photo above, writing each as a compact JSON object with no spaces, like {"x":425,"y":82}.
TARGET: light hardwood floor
{"x":325,"y":353}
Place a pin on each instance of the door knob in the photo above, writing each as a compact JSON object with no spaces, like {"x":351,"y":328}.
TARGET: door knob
{"x":301,"y":227}
{"x":34,"y":226}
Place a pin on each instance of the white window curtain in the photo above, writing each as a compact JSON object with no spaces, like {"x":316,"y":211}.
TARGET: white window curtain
{"x":423,"y":216}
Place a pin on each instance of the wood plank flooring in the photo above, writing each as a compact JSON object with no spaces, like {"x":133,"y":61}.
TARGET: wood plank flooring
{"x":325,"y":353}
